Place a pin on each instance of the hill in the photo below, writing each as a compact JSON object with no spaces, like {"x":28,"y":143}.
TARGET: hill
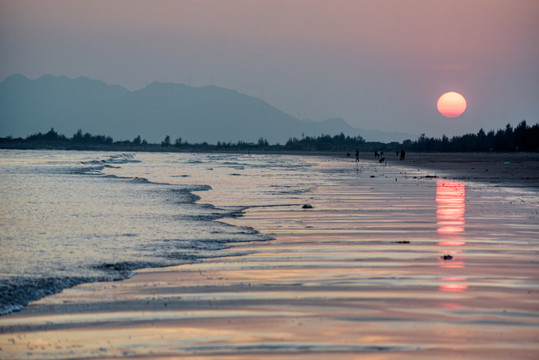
{"x":196,"y":114}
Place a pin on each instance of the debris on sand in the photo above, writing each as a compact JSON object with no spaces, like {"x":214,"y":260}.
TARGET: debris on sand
{"x":307,"y":206}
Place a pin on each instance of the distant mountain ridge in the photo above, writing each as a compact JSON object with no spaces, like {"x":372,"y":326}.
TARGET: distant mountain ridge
{"x":196,"y":114}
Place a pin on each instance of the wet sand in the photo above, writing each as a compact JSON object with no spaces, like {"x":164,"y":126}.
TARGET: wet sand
{"x":501,"y":169}
{"x":395,"y":263}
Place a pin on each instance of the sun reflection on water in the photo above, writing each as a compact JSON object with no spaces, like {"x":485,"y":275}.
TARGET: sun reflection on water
{"x":450,"y":214}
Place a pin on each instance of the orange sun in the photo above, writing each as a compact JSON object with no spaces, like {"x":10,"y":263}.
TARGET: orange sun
{"x":451,"y":104}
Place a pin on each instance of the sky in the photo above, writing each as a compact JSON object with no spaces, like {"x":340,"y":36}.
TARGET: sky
{"x":379,"y":64}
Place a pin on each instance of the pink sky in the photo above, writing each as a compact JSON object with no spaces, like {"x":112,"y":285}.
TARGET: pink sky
{"x":377,"y":64}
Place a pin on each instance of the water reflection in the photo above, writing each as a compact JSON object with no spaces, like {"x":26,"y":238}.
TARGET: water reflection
{"x":453,"y":286}
{"x":450,"y":200}
{"x":450,"y":214}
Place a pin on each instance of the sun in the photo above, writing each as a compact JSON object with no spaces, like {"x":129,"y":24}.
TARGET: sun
{"x":451,"y":104}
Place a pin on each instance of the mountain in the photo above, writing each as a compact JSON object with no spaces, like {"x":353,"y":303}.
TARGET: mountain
{"x":338,"y":125}
{"x":196,"y":114}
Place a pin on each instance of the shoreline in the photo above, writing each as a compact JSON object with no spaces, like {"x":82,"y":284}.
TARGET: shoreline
{"x":501,"y":169}
{"x":519,"y":169}
{"x":288,"y":295}
{"x":172,"y":149}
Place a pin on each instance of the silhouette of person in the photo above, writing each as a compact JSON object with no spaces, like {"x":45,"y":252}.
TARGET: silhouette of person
{"x":357,"y":155}
{"x":403,"y":153}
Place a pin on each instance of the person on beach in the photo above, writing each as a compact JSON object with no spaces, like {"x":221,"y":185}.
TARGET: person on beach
{"x":357,"y":155}
{"x":402,"y":154}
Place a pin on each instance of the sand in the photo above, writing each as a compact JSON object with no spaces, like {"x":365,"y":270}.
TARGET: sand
{"x":365,"y":274}
{"x":499,"y":169}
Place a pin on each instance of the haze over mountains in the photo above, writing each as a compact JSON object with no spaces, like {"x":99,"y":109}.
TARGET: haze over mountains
{"x":196,"y":114}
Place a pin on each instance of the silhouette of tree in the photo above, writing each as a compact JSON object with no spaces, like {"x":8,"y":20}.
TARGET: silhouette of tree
{"x":166,"y":142}
{"x":521,"y":138}
{"x":51,"y":138}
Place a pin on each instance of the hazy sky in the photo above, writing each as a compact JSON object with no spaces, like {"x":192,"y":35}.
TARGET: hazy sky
{"x":379,"y":64}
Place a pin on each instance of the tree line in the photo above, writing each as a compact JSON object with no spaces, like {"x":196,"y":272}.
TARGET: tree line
{"x":521,"y":138}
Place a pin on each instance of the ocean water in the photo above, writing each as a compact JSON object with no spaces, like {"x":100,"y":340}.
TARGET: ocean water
{"x":70,"y":217}
{"x":390,"y":260}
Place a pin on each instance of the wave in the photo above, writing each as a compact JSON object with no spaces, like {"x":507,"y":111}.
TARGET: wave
{"x":19,"y":291}
{"x":112,"y":159}
{"x":204,"y":235}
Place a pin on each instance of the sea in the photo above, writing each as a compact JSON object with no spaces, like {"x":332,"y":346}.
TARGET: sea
{"x":70,"y":217}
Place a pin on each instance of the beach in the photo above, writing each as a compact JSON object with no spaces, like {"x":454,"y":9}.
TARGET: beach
{"x":431,"y":257}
